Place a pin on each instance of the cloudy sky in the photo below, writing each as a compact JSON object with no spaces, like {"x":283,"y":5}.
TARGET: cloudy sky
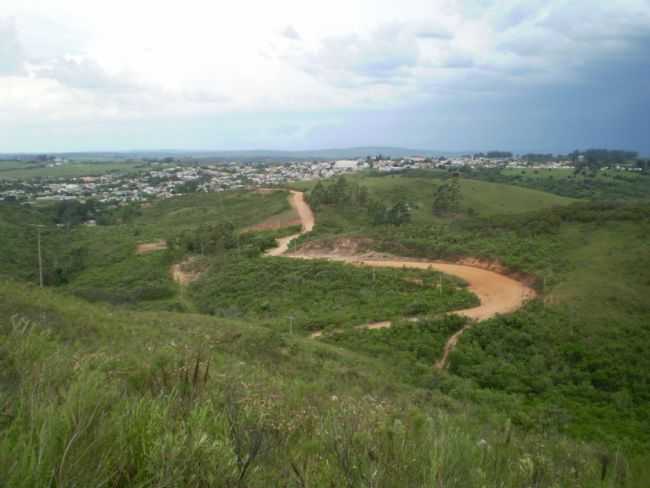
{"x":548,"y":75}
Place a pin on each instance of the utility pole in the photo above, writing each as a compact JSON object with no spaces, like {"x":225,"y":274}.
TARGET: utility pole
{"x":40,"y":256}
{"x":40,"y":253}
{"x":291,"y":317}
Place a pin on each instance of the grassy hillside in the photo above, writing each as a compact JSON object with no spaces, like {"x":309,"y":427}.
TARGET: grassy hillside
{"x":96,"y":396}
{"x":18,"y":241}
{"x":483,"y":198}
{"x":610,"y":184}
{"x":100,"y":263}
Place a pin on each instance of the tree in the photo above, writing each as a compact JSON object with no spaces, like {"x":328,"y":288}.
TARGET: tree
{"x":318,"y":196}
{"x":339,"y":192}
{"x":362,"y":196}
{"x":377,"y":213}
{"x":447,"y":197}
{"x":399,"y":214}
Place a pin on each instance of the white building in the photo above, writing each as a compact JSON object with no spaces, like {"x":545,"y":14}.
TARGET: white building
{"x":346,"y":164}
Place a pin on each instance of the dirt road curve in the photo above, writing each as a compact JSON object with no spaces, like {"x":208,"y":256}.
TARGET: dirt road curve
{"x":498,"y":293}
{"x":297,"y":201}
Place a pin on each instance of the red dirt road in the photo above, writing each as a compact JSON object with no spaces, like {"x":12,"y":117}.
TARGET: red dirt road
{"x":498,"y":293}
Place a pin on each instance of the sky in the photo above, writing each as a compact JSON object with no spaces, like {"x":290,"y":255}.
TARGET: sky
{"x":543,"y":76}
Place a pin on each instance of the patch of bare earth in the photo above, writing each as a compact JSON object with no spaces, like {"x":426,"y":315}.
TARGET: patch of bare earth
{"x":185,"y":272}
{"x":279,"y":221}
{"x":344,"y":246}
{"x":151,"y":247}
{"x":265,"y":191}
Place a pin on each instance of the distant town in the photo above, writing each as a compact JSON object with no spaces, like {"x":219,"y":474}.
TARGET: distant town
{"x":169,"y":177}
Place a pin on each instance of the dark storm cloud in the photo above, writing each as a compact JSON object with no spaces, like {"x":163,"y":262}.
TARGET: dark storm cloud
{"x":605,"y":105}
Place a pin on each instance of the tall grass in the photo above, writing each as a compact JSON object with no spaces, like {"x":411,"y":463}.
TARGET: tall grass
{"x":70,"y":421}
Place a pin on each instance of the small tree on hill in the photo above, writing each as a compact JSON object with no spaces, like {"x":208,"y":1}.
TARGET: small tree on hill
{"x":447,"y":197}
{"x":318,"y":196}
{"x":398,"y":214}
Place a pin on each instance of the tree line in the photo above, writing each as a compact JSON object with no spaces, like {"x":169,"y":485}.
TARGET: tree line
{"x":341,"y":193}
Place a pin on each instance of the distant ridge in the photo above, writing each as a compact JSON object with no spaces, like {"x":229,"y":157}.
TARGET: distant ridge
{"x":257,"y":154}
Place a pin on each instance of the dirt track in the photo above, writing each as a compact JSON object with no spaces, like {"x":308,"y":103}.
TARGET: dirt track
{"x":297,"y":201}
{"x":497,"y":292}
{"x":151,"y":247}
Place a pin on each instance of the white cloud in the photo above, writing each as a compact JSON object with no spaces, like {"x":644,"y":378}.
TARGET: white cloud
{"x":290,"y":32}
{"x":11,"y":51}
{"x":85,"y":74}
{"x":146,"y":59}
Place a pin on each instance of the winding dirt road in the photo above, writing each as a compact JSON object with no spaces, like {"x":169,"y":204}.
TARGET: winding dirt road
{"x":297,"y":201}
{"x":499,"y":294}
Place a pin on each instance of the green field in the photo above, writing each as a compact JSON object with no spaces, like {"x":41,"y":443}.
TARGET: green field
{"x":598,"y":185}
{"x":562,"y":173}
{"x":24,"y":170}
{"x":484,"y":198}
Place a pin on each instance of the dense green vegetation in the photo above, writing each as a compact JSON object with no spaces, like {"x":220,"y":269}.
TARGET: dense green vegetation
{"x":19,"y":228}
{"x":320,"y":295}
{"x":584,"y":353}
{"x":411,"y":347}
{"x":597,"y":185}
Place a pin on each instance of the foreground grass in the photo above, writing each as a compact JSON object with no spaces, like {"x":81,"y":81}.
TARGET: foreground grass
{"x":95,"y":396}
